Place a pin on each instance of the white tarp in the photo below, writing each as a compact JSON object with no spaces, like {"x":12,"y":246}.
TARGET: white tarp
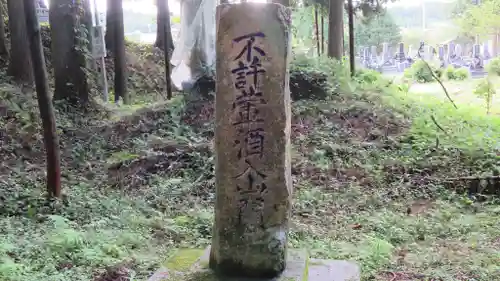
{"x":194,"y":53}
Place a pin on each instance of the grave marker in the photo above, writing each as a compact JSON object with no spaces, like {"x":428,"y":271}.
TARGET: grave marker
{"x":373,"y":54}
{"x":385,"y":52}
{"x":401,"y":52}
{"x":458,"y":50}
{"x":411,"y":52}
{"x":441,"y":52}
{"x":476,"y":51}
{"x":486,"y":51}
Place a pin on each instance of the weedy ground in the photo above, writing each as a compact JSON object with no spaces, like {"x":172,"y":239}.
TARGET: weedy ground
{"x":371,"y":172}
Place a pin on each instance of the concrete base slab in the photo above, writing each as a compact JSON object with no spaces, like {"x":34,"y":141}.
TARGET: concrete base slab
{"x":192,"y":265}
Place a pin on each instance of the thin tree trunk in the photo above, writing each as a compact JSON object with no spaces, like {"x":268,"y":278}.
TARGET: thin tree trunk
{"x":4,"y":51}
{"x":163,"y":30}
{"x":20,"y":59}
{"x":50,"y":137}
{"x":164,"y":17}
{"x":119,"y":53}
{"x":316,"y":29}
{"x":322,"y":34}
{"x":336,"y":29}
{"x":110,"y":23}
{"x":351,"y":38}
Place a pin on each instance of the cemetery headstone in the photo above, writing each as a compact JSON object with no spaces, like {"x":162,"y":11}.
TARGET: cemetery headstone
{"x":486,"y":51}
{"x":476,"y":51}
{"x":451,"y":51}
{"x":427,"y":52}
{"x":401,"y":52}
{"x":373,"y":54}
{"x":385,"y":52}
{"x":252,"y":146}
{"x":411,"y":52}
{"x":366,"y":57}
{"x":441,"y":53}
{"x":458,"y":50}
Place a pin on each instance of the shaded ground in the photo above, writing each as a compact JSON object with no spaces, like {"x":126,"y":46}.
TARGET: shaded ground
{"x":369,"y":167}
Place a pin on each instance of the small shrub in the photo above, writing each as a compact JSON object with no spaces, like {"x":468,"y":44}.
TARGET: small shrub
{"x":368,"y":76}
{"x":420,"y":72}
{"x":493,"y":67}
{"x":485,"y":90}
{"x":449,"y":72}
{"x":461,"y":74}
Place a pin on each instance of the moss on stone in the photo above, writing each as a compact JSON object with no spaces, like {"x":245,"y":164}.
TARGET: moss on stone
{"x":183,"y":259}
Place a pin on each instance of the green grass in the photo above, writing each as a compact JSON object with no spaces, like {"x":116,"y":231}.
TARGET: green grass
{"x":462,"y":92}
{"x":361,"y":159}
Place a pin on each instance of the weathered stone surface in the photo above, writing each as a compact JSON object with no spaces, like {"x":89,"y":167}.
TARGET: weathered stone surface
{"x":192,"y":265}
{"x":252,"y":140}
{"x":333,"y":270}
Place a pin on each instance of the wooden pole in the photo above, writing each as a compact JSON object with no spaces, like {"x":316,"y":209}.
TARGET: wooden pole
{"x":45,"y":106}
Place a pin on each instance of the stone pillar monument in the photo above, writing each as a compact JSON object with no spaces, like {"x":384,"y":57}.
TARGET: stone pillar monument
{"x":253,"y":162}
{"x":252,"y":140}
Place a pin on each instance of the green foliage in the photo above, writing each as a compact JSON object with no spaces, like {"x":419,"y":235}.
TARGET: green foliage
{"x":449,"y":72}
{"x":493,"y":67}
{"x":376,"y":142}
{"x":376,"y":30}
{"x":421,"y":72}
{"x":311,"y":78}
{"x":368,"y":76}
{"x":479,"y":19}
{"x":461,"y":74}
{"x":485,"y":90}
{"x":458,"y":74}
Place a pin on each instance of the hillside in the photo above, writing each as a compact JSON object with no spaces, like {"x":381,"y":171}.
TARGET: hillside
{"x":374,"y":180}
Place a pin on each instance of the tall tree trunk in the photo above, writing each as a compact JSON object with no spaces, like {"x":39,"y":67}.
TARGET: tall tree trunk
{"x":71,"y":46}
{"x":322,"y":34}
{"x":336,"y":29}
{"x":50,"y":137}
{"x":4,"y":52}
{"x":164,"y":16}
{"x":163,"y":29}
{"x":110,"y":22}
{"x":119,"y":53}
{"x":20,"y":59}
{"x":316,"y":29}
{"x":351,"y":38}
